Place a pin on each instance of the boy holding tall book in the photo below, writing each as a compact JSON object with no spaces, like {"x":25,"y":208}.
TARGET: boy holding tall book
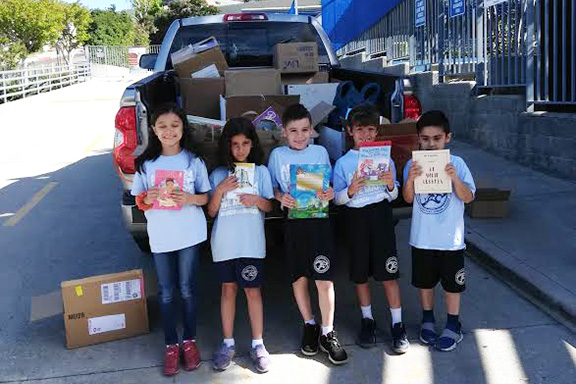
{"x":369,"y":221}
{"x":437,"y":230}
{"x":308,"y":241}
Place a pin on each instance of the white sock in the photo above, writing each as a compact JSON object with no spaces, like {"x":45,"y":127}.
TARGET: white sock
{"x":310,"y":322}
{"x":367,"y":312}
{"x":256,"y":342}
{"x":396,"y":315}
{"x":229,"y":342}
{"x":327,"y":330}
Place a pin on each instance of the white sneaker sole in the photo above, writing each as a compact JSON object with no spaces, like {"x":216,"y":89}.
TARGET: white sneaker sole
{"x":453,"y":346}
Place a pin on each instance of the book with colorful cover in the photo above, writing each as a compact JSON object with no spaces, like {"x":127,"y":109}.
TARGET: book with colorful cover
{"x":305,"y":181}
{"x":245,"y":175}
{"x":374,"y":160}
{"x":434,"y":178}
{"x":168,"y":182}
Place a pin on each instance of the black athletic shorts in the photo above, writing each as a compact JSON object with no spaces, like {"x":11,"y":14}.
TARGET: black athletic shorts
{"x":431,"y":266}
{"x":309,"y":248}
{"x":371,"y":243}
{"x":246,"y":272}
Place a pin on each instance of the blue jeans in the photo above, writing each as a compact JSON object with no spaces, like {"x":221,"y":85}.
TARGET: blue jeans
{"x":177,"y":269}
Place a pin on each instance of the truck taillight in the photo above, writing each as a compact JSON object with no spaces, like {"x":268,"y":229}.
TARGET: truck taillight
{"x":125,"y":141}
{"x":245,"y":17}
{"x":412,"y":107}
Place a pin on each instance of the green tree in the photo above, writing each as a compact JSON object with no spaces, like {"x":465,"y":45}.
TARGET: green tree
{"x":11,"y":54}
{"x":145,"y":12}
{"x":111,"y":28}
{"x":75,"y":32}
{"x":179,"y":9}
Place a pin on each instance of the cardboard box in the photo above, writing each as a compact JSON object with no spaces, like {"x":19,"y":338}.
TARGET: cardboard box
{"x":305,"y":78}
{"x":201,"y":97}
{"x":312,"y":94}
{"x":252,"y":106}
{"x":489,"y":203}
{"x":200,"y":61}
{"x":243,"y":82}
{"x":104,"y":308}
{"x":296,"y":57}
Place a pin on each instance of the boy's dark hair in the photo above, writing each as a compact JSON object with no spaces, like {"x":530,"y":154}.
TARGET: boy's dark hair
{"x":239,"y":126}
{"x":363,"y":115}
{"x":295,"y":112}
{"x":154,"y":148}
{"x":433,"y":119}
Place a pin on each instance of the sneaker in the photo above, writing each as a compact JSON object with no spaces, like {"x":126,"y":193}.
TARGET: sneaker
{"x":172,"y":360}
{"x":400,"y":340}
{"x":428,"y":334}
{"x":223,"y":357}
{"x":191,"y":355}
{"x":261,"y":358}
{"x":310,"y":339}
{"x":367,"y":336}
{"x":329,"y":343}
{"x":448,"y":340}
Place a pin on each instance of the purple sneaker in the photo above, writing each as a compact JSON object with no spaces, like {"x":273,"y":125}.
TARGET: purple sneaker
{"x":222,"y":358}
{"x":261,"y":358}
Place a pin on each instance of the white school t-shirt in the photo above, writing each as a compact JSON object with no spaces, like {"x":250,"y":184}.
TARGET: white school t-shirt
{"x":173,"y":230}
{"x":438,"y":219}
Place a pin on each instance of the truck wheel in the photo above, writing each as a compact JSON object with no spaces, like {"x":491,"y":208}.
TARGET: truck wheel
{"x":142,"y":242}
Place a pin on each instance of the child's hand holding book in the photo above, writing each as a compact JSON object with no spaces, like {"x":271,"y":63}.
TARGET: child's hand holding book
{"x":327,"y":194}
{"x":356,"y":184}
{"x":388,"y":178}
{"x":151,"y":195}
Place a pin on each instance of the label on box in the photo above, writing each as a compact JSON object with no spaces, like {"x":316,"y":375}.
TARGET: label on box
{"x":121,"y":291}
{"x":108,"y":323}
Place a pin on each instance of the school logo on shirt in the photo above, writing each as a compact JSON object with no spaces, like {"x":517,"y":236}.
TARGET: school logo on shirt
{"x":433,"y":204}
{"x":321,"y":264}
{"x":249,"y":273}
{"x":392,"y":264}
{"x":460,"y":277}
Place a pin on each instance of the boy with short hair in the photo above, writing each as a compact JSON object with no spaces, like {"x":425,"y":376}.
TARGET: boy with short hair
{"x":308,"y":242}
{"x":370,"y":229}
{"x":437,"y":234}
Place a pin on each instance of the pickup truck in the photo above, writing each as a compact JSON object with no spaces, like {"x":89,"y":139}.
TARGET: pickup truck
{"x":247,"y":41}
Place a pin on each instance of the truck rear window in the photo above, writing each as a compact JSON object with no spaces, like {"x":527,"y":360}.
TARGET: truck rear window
{"x":251,"y":44}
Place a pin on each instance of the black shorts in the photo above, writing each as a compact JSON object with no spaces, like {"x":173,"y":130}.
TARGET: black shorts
{"x":431,"y":266}
{"x":246,"y":272}
{"x":371,"y":243}
{"x":309,"y":248}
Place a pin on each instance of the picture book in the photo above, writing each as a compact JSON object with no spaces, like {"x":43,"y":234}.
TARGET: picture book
{"x":305,"y":181}
{"x":434,"y":178}
{"x":168,"y":182}
{"x":245,"y":174}
{"x":374,"y":160}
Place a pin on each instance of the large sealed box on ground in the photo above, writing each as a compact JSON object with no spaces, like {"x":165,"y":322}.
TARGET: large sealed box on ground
{"x":489,"y":203}
{"x":265,"y":81}
{"x":201,"y":60}
{"x":201,"y":97}
{"x":296,"y":57}
{"x":104,"y":308}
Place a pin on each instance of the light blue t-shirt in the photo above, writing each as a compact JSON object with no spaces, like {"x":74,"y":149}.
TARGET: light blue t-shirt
{"x":238,"y":231}
{"x":174,"y":230}
{"x":369,"y":194}
{"x":282,"y":157}
{"x":438,"y":219}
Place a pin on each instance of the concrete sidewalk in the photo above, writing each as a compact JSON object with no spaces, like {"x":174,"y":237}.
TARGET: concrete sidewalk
{"x":534,"y":249}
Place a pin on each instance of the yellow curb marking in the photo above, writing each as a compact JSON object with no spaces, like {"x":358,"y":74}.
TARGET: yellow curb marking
{"x":12,"y":221}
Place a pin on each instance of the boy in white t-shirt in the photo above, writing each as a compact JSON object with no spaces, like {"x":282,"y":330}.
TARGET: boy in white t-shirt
{"x":437,"y":234}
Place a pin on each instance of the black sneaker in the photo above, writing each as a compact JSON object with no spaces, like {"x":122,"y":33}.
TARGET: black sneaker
{"x":367,"y":336}
{"x":401,"y":343}
{"x":330,"y":344}
{"x":310,"y":339}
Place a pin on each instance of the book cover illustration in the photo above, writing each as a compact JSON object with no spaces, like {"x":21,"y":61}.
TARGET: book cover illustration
{"x":269,"y":120}
{"x":168,"y":182}
{"x":245,"y":175}
{"x":434,"y":178}
{"x":374,"y":160}
{"x":305,"y":181}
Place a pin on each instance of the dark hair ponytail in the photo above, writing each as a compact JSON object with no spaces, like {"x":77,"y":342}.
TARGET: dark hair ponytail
{"x":154,"y":148}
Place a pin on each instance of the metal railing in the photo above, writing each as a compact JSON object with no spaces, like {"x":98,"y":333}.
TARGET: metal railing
{"x":21,"y":83}
{"x":116,"y":60}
